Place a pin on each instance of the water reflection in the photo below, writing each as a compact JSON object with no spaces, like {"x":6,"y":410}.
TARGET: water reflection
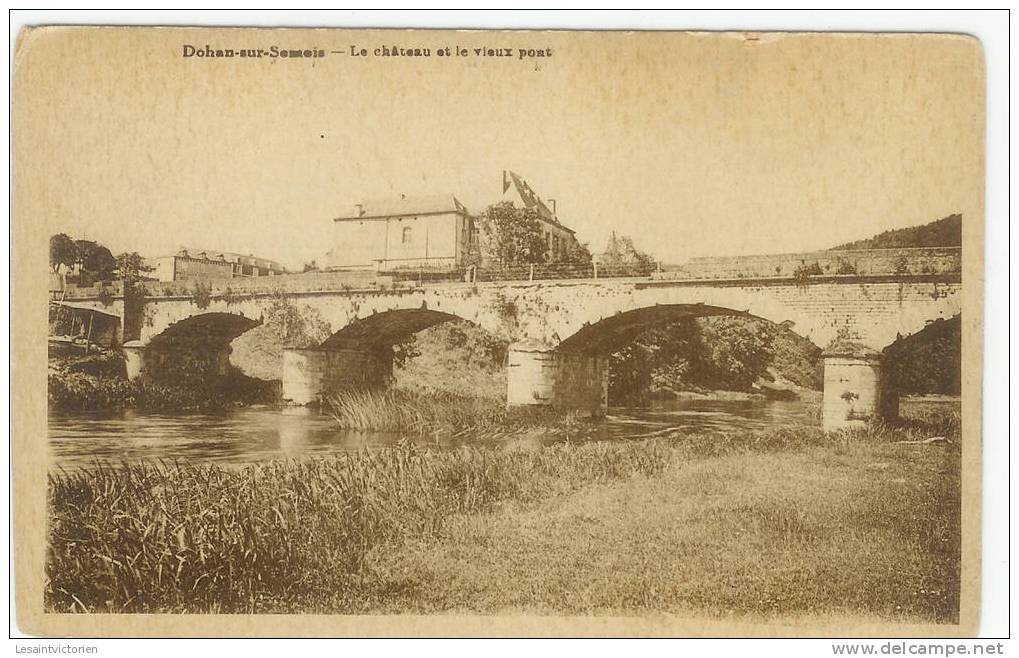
{"x":256,"y":434}
{"x":708,"y":415}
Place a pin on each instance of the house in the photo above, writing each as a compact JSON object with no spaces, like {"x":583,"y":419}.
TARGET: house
{"x":249,"y":265}
{"x":434,"y":232}
{"x":194,"y":263}
{"x":561,"y":240}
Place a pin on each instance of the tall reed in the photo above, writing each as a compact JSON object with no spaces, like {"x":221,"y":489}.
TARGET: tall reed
{"x":284,"y":535}
{"x":397,"y":410}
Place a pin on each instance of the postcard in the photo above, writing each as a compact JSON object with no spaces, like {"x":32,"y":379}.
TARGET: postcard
{"x":514,"y":333}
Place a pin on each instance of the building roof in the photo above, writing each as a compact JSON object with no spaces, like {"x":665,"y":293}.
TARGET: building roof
{"x":403,"y":206}
{"x":529,"y":198}
{"x":226,"y":256}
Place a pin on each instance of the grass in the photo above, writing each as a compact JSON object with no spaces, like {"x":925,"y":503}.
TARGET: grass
{"x":775,"y":524}
{"x":868,"y":531}
{"x":287,"y":534}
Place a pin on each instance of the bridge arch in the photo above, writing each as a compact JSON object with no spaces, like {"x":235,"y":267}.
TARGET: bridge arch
{"x":217,"y":328}
{"x":615,"y":332}
{"x":359,"y":355}
{"x":873,"y":313}
{"x":199,"y":343}
{"x":575,"y":371}
{"x":380,"y":331}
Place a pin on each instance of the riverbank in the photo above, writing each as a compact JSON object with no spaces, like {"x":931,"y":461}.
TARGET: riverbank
{"x":98,"y":381}
{"x":773,"y":524}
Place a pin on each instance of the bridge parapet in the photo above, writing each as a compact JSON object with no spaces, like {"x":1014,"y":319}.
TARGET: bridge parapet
{"x":867,"y":262}
{"x":283,"y":283}
{"x":777,"y":268}
{"x":111,"y":289}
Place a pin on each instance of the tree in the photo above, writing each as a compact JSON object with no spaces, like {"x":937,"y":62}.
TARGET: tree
{"x":512,"y":235}
{"x":577,"y":253}
{"x":928,"y":361}
{"x":945,"y":232}
{"x":131,"y":266}
{"x":620,"y":252}
{"x":737,"y":352}
{"x":720,"y":352}
{"x":95,"y":259}
{"x":294,"y":325}
{"x":660,"y":358}
{"x":62,"y":251}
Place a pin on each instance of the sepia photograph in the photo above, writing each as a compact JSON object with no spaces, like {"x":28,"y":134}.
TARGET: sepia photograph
{"x":582,"y":333}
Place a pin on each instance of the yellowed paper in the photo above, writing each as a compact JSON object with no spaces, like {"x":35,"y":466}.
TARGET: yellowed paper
{"x":352,"y":175}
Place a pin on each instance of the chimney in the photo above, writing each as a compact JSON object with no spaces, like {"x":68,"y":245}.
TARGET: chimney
{"x":552,"y":201}
{"x":360,"y":209}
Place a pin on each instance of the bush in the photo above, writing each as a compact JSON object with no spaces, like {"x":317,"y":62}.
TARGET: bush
{"x":201,"y":296}
{"x":844,"y":266}
{"x":78,"y":391}
{"x":804,"y":271}
{"x":105,"y":296}
{"x":929,"y":361}
{"x":97,"y":364}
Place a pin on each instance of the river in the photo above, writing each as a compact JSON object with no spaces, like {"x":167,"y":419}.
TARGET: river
{"x":257,"y":434}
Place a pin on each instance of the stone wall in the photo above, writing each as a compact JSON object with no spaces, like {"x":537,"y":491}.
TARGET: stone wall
{"x":582,"y":382}
{"x":530,"y":375}
{"x":923,"y":260}
{"x":855,"y":391}
{"x":538,"y":375}
{"x":310,"y":375}
{"x":240,"y":286}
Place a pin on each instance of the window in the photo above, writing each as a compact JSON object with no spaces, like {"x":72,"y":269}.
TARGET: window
{"x":406,"y":235}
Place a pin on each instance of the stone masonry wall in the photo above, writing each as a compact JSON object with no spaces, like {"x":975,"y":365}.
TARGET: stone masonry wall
{"x":582,"y":382}
{"x":922,"y":260}
{"x":310,"y":375}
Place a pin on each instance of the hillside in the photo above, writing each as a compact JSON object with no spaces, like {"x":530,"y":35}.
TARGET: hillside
{"x":945,"y":232}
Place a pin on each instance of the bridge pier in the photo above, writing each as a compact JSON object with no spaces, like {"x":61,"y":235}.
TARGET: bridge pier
{"x":854,"y":390}
{"x":539,"y":375}
{"x":155,"y":360}
{"x":134,"y":358}
{"x":310,"y":374}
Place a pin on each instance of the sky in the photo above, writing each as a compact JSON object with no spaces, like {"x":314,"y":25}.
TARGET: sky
{"x":693,"y":144}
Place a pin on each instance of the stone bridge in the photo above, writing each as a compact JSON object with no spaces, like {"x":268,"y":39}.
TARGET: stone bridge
{"x":561,"y":331}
